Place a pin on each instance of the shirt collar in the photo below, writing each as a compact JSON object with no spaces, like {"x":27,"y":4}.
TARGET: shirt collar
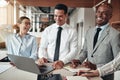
{"x":63,"y":26}
{"x":26,"y":36}
{"x":103,"y":27}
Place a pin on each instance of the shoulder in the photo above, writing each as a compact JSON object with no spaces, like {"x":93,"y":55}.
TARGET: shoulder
{"x":50,"y":27}
{"x":30,"y":36}
{"x":113,"y":31}
{"x":70,"y":28}
{"x":12,"y":35}
{"x":114,"y":34}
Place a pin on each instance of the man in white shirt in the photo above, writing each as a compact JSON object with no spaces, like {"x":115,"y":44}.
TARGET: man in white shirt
{"x":68,"y":41}
{"x":108,"y":68}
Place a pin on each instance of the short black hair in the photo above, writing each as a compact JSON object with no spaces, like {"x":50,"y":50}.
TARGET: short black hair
{"x":62,"y":7}
{"x":108,"y":5}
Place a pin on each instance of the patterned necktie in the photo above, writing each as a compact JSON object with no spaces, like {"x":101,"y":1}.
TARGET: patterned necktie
{"x":57,"y":47}
{"x":96,"y":37}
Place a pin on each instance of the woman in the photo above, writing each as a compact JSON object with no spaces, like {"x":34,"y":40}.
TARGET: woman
{"x":22,"y":43}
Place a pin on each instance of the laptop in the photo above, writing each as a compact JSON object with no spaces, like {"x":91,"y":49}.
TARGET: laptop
{"x":28,"y":64}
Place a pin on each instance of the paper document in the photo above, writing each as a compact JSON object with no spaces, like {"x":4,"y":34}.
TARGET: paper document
{"x":75,"y":69}
{"x":3,"y":54}
{"x":4,"y":67}
{"x":76,"y":78}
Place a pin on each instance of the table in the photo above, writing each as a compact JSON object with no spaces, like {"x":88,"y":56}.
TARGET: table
{"x":3,"y":53}
{"x":16,"y":74}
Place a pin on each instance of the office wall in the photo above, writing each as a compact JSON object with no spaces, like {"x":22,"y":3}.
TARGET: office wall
{"x":116,"y":10}
{"x":82,"y":19}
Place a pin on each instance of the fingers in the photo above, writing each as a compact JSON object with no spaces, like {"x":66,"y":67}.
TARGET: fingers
{"x":86,"y":63}
{"x":89,"y":65}
{"x":42,"y":61}
{"x":88,"y":73}
{"x":58,"y":64}
{"x":74,"y":63}
{"x":12,"y":63}
{"x":80,"y":72}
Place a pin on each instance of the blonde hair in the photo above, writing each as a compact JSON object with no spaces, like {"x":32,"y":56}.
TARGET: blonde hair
{"x":21,"y":19}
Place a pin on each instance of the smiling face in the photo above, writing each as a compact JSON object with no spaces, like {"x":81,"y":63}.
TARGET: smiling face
{"x":103,"y":15}
{"x":24,"y":26}
{"x":60,"y":17}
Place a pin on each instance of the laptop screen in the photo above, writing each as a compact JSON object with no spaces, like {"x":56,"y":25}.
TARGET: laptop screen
{"x":28,"y":64}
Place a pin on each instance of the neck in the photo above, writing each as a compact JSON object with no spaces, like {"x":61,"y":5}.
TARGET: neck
{"x":61,"y":24}
{"x":21,"y":34}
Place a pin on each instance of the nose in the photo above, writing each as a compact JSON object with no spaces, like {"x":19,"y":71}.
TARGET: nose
{"x":99,"y":14}
{"x":57,"y":18}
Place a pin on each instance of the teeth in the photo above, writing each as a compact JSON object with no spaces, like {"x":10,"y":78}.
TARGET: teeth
{"x":99,"y":18}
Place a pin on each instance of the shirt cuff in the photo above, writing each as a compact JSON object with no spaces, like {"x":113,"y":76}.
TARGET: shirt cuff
{"x":100,"y":73}
{"x":64,"y":61}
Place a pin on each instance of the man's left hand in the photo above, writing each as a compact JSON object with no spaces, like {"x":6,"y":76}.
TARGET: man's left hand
{"x":58,"y":64}
{"x":89,"y":73}
{"x":90,"y":65}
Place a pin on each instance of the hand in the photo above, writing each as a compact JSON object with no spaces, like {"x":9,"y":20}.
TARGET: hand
{"x":88,"y":73}
{"x":12,"y":64}
{"x":90,"y":65}
{"x":42,"y":61}
{"x":74,"y":63}
{"x":58,"y":64}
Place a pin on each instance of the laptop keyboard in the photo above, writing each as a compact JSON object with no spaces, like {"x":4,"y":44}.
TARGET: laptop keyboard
{"x":45,"y":69}
{"x":49,"y":77}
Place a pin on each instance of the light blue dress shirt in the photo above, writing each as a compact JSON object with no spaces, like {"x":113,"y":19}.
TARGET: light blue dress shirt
{"x":25,"y":46}
{"x":102,"y":29}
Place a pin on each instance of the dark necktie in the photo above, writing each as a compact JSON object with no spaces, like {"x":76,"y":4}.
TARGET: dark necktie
{"x":56,"y":55}
{"x":96,"y":37}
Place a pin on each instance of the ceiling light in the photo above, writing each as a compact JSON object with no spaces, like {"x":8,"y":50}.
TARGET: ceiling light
{"x":3,"y":3}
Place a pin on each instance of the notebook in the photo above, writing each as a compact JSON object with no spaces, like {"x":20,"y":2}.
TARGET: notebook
{"x":67,"y":67}
{"x":28,"y":64}
{"x":76,"y":78}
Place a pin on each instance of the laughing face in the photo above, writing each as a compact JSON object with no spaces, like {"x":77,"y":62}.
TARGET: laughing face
{"x":60,"y":17}
{"x":103,"y":15}
{"x":24,"y":26}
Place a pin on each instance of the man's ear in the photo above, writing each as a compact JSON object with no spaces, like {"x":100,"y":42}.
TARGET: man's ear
{"x":110,"y":16}
{"x":66,"y":17}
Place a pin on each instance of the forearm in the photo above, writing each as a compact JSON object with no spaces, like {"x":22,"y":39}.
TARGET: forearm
{"x":70,"y":56}
{"x":42,"y":53}
{"x":105,"y":70}
{"x":110,"y":67}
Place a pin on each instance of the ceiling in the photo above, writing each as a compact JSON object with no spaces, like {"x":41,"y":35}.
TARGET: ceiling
{"x":52,"y":3}
{"x":47,"y":6}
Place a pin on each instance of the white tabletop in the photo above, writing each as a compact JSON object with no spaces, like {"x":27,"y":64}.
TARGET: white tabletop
{"x":16,"y":74}
{"x":3,"y":53}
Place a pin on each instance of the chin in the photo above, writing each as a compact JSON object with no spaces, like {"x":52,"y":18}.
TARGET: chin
{"x":99,"y":22}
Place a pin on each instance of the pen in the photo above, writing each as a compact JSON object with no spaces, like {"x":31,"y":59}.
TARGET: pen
{"x":85,"y":72}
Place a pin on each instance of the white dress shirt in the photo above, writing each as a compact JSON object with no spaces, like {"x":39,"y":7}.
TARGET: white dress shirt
{"x":68,"y":44}
{"x":25,"y":46}
{"x":110,"y":67}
